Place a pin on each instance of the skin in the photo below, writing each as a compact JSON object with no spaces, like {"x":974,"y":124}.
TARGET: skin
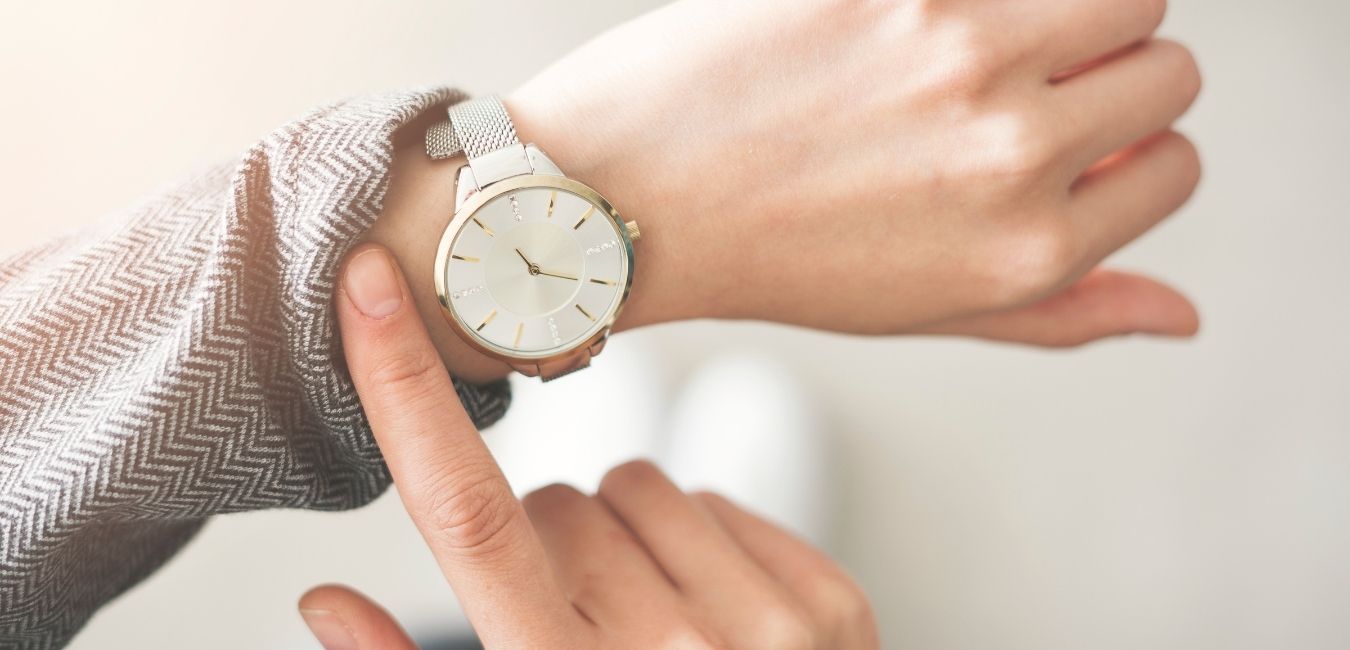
{"x":640,"y":564}
{"x":877,"y":167}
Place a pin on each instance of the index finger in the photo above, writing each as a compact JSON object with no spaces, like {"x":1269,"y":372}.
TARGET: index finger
{"x":450,"y":484}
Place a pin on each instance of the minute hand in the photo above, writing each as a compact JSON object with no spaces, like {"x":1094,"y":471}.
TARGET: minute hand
{"x":558,"y":275}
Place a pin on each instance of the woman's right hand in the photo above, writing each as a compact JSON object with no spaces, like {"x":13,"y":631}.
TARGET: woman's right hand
{"x":884,"y":166}
{"x":639,"y":565}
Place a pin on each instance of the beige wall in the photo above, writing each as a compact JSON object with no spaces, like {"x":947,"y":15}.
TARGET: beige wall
{"x":1135,"y":494}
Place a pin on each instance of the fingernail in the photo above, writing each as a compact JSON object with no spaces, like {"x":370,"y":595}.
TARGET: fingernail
{"x":372,"y":284}
{"x":328,"y":629}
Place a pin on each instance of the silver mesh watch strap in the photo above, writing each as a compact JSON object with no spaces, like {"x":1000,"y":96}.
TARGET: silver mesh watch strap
{"x":476,"y":127}
{"x":482,"y":130}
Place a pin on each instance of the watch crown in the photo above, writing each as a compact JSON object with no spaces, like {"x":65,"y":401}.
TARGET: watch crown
{"x":633,"y":232}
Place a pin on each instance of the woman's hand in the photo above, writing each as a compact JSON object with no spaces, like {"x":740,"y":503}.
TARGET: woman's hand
{"x":884,"y":166}
{"x":639,"y":565}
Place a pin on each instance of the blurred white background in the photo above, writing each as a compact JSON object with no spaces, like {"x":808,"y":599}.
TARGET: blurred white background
{"x":1133,"y":494}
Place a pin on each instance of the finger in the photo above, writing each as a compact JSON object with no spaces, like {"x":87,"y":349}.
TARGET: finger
{"x":1105,"y":303}
{"x":1124,"y":197}
{"x":1125,"y":100}
{"x":742,"y":603}
{"x":449,"y":482}
{"x":835,"y":602}
{"x":1086,"y":30}
{"x":343,"y":619}
{"x":683,"y":539}
{"x":603,"y":568}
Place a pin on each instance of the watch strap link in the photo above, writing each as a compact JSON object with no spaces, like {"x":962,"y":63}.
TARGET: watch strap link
{"x":476,"y":127}
{"x":482,"y":130}
{"x":548,"y":371}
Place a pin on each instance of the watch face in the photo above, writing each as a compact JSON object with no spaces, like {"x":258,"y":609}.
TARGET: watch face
{"x":536,"y":271}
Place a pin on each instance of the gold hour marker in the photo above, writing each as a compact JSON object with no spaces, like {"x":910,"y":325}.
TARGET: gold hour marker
{"x":485,"y":228}
{"x":584,"y":217}
{"x":585,"y":313}
{"x":552,"y":198}
{"x":520,"y":329}
{"x":466,"y":258}
{"x":491,"y":315}
{"x":604,"y":282}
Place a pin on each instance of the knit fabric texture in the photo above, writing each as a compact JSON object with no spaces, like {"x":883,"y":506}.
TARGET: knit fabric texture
{"x":179,"y":360}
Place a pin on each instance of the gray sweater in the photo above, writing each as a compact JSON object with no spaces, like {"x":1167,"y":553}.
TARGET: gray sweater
{"x":179,"y":360}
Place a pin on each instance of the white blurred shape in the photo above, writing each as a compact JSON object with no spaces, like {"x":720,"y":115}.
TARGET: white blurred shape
{"x":571,"y":430}
{"x":744,"y":427}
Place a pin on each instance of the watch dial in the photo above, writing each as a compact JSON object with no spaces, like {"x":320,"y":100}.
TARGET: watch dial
{"x":536,"y":271}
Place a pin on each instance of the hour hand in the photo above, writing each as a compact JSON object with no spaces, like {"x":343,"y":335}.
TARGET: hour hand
{"x":522,"y":256}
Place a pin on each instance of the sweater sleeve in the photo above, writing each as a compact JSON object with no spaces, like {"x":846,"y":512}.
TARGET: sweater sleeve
{"x":179,"y":360}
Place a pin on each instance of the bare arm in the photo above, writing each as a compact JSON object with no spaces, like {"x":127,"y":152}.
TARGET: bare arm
{"x":871,"y":167}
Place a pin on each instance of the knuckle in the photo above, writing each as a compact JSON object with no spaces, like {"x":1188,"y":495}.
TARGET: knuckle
{"x":685,"y":634}
{"x":839,"y":602}
{"x":1018,"y":146}
{"x":965,"y":69}
{"x":632,"y":476}
{"x":842,"y":602}
{"x":969,"y":57}
{"x":867,"y":7}
{"x":469,"y":510}
{"x":781,"y":626}
{"x":552,"y":497}
{"x":406,"y":372}
{"x":864,"y":619}
{"x":708,"y":497}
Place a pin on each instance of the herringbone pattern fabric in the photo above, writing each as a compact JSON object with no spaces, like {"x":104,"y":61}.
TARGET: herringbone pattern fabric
{"x":179,"y":361}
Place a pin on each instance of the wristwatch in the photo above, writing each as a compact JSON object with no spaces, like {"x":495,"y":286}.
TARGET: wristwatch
{"x":534,"y":267}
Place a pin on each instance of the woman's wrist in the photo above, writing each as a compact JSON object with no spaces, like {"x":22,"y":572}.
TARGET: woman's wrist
{"x":421,"y":201}
{"x":591,"y":143}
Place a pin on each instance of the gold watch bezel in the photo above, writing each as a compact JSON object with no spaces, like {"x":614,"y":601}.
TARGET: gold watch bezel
{"x":476,"y":202}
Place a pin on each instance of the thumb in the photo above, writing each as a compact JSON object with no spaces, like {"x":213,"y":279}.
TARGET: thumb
{"x":1104,"y":303}
{"x":343,"y":619}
